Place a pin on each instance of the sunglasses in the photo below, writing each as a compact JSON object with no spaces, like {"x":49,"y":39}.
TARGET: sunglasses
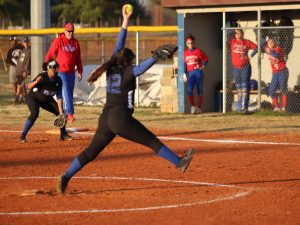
{"x":70,"y":31}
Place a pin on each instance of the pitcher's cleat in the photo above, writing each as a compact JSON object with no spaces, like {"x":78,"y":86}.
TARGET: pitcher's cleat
{"x":66,"y":137}
{"x":185,"y":160}
{"x":22,"y":138}
{"x":62,"y":184}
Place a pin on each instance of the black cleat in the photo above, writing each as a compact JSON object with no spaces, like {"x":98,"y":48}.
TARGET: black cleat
{"x":22,"y":138}
{"x":185,"y":160}
{"x":62,"y":184}
{"x":66,"y":137}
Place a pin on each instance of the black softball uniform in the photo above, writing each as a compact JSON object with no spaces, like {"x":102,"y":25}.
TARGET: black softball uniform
{"x":41,"y":95}
{"x":116,"y":117}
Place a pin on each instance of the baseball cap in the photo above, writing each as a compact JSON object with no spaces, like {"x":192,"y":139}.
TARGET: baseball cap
{"x":11,"y":38}
{"x":69,"y":27}
{"x":25,"y":39}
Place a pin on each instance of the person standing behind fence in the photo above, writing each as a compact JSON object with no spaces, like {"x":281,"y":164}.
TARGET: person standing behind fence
{"x":195,"y":60}
{"x":280,"y":73}
{"x":23,"y":70}
{"x":12,"y":57}
{"x":241,"y":67}
{"x":66,"y":51}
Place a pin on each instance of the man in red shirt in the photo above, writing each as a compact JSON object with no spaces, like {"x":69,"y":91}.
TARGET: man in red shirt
{"x":66,"y":51}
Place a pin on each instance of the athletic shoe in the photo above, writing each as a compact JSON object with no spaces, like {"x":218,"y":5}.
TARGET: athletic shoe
{"x":70,"y":118}
{"x":66,"y":137}
{"x":62,"y":183}
{"x":276,"y":109}
{"x":185,"y":160}
{"x":198,"y":110}
{"x":193,"y":110}
{"x":283,"y":109}
{"x":22,"y":138}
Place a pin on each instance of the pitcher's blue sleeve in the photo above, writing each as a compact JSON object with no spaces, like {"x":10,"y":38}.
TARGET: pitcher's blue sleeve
{"x":143,"y":67}
{"x":121,"y":40}
{"x":185,"y":68}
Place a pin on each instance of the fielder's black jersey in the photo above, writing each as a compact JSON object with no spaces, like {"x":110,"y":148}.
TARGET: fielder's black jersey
{"x":47,"y":88}
{"x":120,"y":86}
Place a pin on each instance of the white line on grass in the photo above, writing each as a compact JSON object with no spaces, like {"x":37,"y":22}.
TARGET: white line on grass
{"x":222,"y":198}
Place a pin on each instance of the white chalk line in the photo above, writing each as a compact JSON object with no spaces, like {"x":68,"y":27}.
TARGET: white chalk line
{"x":223,"y":198}
{"x":221,"y":141}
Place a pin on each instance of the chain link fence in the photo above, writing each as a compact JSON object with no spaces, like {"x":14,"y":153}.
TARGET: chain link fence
{"x":267,"y":80}
{"x":96,"y":48}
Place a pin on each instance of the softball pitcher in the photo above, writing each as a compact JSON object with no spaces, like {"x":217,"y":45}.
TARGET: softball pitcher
{"x":116,"y":117}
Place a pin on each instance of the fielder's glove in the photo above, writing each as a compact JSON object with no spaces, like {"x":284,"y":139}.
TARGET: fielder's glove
{"x":60,"y":121}
{"x":164,"y":52}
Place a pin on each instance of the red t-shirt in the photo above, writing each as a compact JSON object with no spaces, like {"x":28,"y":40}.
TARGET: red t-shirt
{"x":239,"y":52}
{"x":193,"y":59}
{"x":276,"y":58}
{"x":67,"y":53}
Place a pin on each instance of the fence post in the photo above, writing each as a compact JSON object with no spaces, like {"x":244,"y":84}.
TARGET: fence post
{"x":40,"y":18}
{"x":224,"y":63}
{"x":137,"y":35}
{"x":259,"y":58}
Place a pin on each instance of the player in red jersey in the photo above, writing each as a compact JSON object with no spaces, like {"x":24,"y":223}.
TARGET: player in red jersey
{"x":280,"y":73}
{"x":195,"y":61}
{"x":241,"y":67}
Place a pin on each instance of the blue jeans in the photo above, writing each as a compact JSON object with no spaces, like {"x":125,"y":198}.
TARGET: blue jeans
{"x":68,"y":80}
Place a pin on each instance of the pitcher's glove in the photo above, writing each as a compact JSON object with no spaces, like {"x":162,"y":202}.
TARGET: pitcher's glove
{"x":60,"y":121}
{"x":164,"y":52}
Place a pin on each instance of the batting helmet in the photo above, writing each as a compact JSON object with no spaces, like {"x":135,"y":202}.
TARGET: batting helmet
{"x":52,"y":65}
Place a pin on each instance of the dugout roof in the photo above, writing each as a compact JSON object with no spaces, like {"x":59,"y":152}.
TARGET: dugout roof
{"x":220,"y":3}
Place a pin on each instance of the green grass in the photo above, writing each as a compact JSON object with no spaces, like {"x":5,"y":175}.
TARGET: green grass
{"x":87,"y":116}
{"x":14,"y":116}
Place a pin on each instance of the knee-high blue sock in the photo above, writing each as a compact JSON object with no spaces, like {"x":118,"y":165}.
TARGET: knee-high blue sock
{"x":73,"y":168}
{"x":28,"y":125}
{"x":166,"y":153}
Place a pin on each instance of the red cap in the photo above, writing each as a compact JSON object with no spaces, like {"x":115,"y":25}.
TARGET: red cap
{"x":69,"y":27}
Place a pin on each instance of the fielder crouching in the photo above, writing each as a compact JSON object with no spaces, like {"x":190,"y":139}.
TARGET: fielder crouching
{"x":41,"y":91}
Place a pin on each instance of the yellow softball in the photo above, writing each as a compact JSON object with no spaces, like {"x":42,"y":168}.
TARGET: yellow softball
{"x":128,"y":9}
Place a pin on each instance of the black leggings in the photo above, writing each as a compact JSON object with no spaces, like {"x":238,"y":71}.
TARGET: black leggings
{"x":34,"y":107}
{"x":118,"y":120}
